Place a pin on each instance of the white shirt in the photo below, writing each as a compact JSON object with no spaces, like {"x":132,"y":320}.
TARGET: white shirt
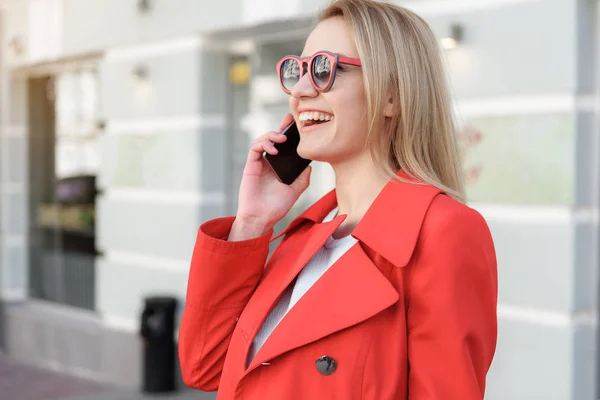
{"x":331,"y":251}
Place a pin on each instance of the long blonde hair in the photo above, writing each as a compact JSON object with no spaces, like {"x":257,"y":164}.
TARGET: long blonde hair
{"x":401,"y":56}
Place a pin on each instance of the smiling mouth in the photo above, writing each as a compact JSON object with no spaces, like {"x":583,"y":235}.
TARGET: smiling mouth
{"x":311,"y":118}
{"x":311,"y":122}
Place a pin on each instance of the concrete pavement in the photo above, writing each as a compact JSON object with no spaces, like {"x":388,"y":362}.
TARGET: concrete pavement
{"x":120,"y":395}
{"x":24,"y":382}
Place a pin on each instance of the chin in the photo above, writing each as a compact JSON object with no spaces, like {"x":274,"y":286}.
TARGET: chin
{"x":314,"y":154}
{"x":308,"y":153}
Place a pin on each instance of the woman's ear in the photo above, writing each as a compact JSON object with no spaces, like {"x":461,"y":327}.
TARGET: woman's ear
{"x":389,"y":108}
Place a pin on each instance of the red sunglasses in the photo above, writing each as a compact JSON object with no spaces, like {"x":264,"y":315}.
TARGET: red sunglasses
{"x":322,"y":65}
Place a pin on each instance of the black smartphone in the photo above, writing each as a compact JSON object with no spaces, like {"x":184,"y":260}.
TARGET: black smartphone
{"x":287,"y":164}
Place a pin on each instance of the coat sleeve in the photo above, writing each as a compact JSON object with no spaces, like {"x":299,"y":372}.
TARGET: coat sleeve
{"x":451,"y":317}
{"x":222,"y":277}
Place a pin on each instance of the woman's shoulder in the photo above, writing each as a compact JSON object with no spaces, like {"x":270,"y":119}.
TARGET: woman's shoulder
{"x":424,"y":207}
{"x":451,"y":221}
{"x":445,"y":211}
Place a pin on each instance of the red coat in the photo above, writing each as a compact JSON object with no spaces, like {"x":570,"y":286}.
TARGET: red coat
{"x":409,"y":312}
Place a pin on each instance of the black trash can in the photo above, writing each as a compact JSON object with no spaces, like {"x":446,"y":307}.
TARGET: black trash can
{"x":158,"y":331}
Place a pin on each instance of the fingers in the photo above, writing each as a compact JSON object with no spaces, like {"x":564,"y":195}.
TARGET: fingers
{"x":285,"y":122}
{"x":302,"y":182}
{"x":276,"y":137}
{"x":265,"y":143}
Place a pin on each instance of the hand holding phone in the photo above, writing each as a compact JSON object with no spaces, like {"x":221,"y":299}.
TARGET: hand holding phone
{"x":287,"y":164}
{"x":263,"y":199}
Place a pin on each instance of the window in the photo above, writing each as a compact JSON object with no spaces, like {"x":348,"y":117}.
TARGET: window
{"x":64,"y":161}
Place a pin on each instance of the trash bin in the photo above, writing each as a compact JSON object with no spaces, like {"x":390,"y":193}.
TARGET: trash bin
{"x":157,"y":331}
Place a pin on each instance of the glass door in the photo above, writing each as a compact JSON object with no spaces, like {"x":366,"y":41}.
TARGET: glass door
{"x":64,"y":162}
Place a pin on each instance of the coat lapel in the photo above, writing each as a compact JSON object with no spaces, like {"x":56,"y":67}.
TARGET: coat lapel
{"x":314,"y":213}
{"x":351,"y":291}
{"x":287,"y":265}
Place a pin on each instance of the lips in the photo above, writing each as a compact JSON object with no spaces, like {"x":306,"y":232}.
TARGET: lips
{"x":311,"y":122}
{"x":305,"y":127}
{"x":312,"y":117}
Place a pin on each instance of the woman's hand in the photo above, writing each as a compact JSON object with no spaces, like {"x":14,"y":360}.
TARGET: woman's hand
{"x":263,"y":199}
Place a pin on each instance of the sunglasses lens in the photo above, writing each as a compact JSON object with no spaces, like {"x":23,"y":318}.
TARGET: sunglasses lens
{"x":321,"y":71}
{"x":290,"y":73}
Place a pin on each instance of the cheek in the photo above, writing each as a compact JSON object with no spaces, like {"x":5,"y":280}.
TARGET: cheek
{"x":350,"y":101}
{"x":352,"y":125}
{"x":352,"y":116}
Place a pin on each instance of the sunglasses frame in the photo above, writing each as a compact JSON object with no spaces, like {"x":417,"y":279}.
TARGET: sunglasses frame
{"x":334,"y":60}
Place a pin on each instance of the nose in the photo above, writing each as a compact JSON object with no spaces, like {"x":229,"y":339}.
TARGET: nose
{"x":303,"y":88}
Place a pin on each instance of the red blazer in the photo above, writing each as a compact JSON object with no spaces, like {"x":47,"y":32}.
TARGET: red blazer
{"x":409,"y":312}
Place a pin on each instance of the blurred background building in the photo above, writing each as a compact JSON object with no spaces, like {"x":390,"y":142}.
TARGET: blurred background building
{"x":125,"y":124}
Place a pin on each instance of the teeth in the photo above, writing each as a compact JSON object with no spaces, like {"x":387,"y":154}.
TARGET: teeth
{"x":315,"y":116}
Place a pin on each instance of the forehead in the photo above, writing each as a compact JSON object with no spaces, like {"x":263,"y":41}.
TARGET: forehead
{"x":334,"y":35}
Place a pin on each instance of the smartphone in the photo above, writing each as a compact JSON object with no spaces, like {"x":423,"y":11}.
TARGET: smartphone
{"x":287,"y":164}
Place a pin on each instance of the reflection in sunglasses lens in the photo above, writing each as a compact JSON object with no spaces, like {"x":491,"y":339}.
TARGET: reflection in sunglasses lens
{"x":290,"y":73}
{"x":321,"y":71}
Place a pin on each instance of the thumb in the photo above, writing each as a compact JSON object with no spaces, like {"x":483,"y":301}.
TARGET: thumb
{"x":302,"y":181}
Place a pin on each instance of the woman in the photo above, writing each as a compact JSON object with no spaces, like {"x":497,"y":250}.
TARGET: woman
{"x":383,"y":289}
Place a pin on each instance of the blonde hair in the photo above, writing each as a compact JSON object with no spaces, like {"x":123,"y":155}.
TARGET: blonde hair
{"x":400,"y":54}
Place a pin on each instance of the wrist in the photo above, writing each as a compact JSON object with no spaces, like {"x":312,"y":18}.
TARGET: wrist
{"x":245,"y":229}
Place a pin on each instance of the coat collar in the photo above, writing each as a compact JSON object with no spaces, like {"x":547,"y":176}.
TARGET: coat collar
{"x":391,"y":225}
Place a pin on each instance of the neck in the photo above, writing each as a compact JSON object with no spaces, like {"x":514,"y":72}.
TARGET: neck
{"x":357,"y":184}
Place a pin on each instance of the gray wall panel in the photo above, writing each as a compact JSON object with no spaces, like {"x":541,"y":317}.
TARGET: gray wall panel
{"x":587,"y":42}
{"x":527,"y":252}
{"x":512,"y":167}
{"x":16,"y":205}
{"x":587,"y":176}
{"x":121,"y":288}
{"x":18,"y":98}
{"x":187,"y":82}
{"x":151,"y":228}
{"x":522,"y":49}
{"x":185,"y":161}
{"x":585,"y":338}
{"x":17,"y":159}
{"x":16,"y":269}
{"x":523,"y":368}
{"x":585,"y":267}
{"x":172,"y":86}
{"x":91,"y":25}
{"x":86,"y":29}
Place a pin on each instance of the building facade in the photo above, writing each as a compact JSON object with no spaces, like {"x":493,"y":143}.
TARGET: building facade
{"x":124,"y":124}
